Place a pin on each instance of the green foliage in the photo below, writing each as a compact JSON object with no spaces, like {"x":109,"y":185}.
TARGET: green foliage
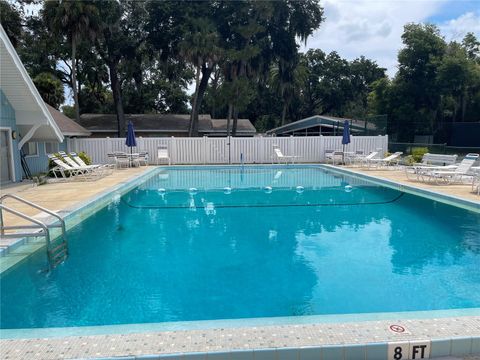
{"x":10,"y":18}
{"x":86,"y":159}
{"x":50,"y":88}
{"x":418,"y":152}
{"x":437,"y":82}
{"x":69,"y":111}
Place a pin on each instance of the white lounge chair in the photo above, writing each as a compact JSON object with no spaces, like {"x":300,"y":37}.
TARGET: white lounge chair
{"x":162,"y":154}
{"x":363,"y":160}
{"x":69,"y":172}
{"x":107,"y":168}
{"x":430,"y":162}
{"x":387,"y":161}
{"x":278,"y":154}
{"x":457,"y":175}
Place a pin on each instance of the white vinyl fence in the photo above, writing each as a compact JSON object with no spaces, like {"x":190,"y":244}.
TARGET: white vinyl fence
{"x":250,"y":150}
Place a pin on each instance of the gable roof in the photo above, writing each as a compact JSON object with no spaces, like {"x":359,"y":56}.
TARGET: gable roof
{"x":31,"y":112}
{"x":67,"y":126}
{"x":324,"y":121}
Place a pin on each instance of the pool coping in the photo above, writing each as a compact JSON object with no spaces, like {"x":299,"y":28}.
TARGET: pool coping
{"x":409,"y":188}
{"x":78,"y":213}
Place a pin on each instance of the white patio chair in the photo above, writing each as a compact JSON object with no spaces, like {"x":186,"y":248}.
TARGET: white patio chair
{"x":278,"y":154}
{"x":143,"y":158}
{"x":121,"y":160}
{"x":162,"y":154}
{"x":457,"y":175}
{"x":476,"y":184}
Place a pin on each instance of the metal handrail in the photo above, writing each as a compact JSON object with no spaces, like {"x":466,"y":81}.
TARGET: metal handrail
{"x":46,"y":232}
{"x":38,"y":207}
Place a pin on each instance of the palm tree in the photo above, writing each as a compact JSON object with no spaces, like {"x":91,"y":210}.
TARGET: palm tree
{"x":78,"y":21}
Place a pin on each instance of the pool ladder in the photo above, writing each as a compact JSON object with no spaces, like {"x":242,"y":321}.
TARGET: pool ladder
{"x":57,"y":249}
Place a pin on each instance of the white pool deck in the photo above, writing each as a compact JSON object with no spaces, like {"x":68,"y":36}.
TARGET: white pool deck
{"x":450,"y":337}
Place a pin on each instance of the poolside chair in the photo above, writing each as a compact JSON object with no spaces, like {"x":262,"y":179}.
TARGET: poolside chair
{"x":457,"y":175}
{"x":363,"y":160}
{"x":278,"y":154}
{"x":162,"y":154}
{"x":69,"y":172}
{"x":351,"y":157}
{"x":334,"y":156}
{"x":430,"y":162}
{"x":476,"y":184}
{"x":143,"y":158}
{"x":107,"y":168}
{"x":391,"y":160}
{"x":121,"y":160}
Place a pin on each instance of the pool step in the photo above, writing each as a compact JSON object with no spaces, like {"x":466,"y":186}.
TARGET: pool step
{"x":58,"y":253}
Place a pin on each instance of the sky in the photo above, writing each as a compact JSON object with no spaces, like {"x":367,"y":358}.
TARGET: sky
{"x":373,"y":28}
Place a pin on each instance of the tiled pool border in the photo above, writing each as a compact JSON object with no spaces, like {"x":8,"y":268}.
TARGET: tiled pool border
{"x":369,"y":350}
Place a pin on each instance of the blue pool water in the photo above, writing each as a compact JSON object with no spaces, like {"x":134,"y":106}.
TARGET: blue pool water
{"x":337,"y":245}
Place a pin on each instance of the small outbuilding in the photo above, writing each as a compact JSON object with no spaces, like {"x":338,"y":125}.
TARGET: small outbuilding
{"x":322,"y":125}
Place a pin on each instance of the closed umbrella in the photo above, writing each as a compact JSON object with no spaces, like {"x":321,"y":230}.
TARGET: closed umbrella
{"x":345,"y":137}
{"x":130,"y":141}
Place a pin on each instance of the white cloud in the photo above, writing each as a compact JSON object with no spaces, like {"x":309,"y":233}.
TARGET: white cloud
{"x":456,"y":29}
{"x":372,"y":28}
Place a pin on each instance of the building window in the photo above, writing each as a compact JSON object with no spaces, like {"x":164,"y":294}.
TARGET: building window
{"x":51,"y":147}
{"x":30,"y":149}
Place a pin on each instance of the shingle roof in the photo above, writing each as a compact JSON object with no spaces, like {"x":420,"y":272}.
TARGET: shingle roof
{"x":67,"y":126}
{"x":243,"y":125}
{"x":174,"y":123}
{"x":143,"y":122}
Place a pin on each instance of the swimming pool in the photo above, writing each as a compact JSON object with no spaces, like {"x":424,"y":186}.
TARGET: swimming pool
{"x":232,"y":243}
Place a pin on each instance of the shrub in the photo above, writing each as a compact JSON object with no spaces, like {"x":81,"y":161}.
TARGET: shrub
{"x":418,"y":152}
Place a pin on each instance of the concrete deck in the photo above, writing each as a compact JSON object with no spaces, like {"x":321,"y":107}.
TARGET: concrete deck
{"x":459,"y":190}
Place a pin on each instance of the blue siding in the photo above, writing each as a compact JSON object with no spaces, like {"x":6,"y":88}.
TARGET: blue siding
{"x":39,"y":164}
{"x":7,"y":119}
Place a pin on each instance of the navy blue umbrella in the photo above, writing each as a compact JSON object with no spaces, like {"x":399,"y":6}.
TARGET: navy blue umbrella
{"x":345,"y":136}
{"x":130,"y":141}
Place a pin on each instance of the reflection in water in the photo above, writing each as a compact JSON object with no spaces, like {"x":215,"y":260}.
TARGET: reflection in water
{"x":143,"y":260}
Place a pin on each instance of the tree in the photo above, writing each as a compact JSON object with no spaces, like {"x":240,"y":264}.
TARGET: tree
{"x":50,"y":88}
{"x":11,"y":20}
{"x":78,"y":20}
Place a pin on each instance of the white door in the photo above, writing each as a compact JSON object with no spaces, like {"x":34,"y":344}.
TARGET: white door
{"x":5,"y":157}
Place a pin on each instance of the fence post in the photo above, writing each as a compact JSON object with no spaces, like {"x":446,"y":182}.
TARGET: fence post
{"x":204,"y":150}
{"x":173,"y":150}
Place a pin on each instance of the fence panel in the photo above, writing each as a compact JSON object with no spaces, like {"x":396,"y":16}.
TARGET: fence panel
{"x":251,"y":150}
